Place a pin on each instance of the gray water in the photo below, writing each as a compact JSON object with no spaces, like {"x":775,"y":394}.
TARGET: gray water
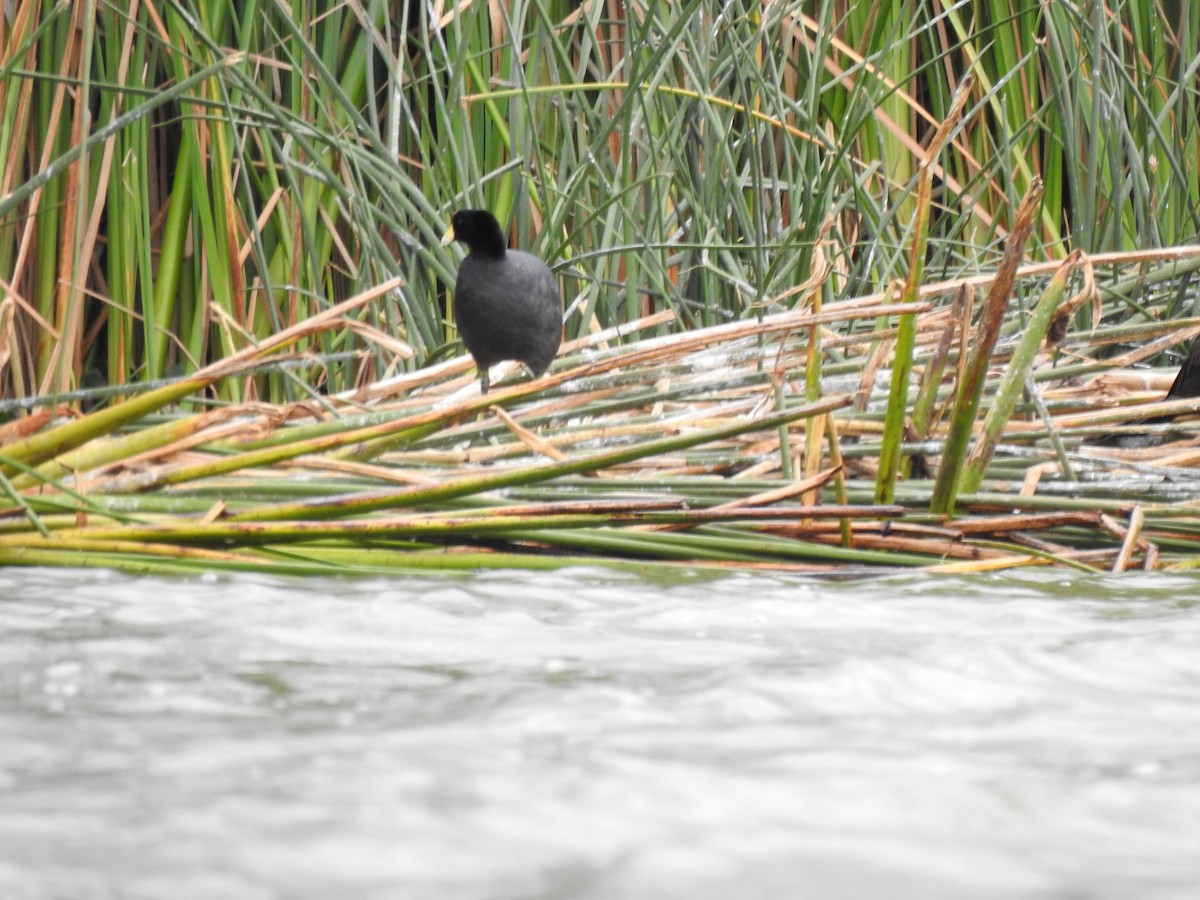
{"x":584,"y":734}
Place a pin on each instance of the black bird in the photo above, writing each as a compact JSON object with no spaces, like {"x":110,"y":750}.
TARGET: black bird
{"x":506,"y":302}
{"x":1187,"y":382}
{"x":1185,"y":385}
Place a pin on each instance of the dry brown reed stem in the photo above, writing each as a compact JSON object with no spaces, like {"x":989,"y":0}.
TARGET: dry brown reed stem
{"x":1174,"y":334}
{"x":764,"y":498}
{"x":923,"y":409}
{"x":996,"y":564}
{"x":1025,"y":522}
{"x":929,"y":546}
{"x":1151,"y":559}
{"x":1097,"y":417}
{"x":367,"y":471}
{"x":1132,"y":540}
{"x":532,"y":441}
{"x":1061,"y":319}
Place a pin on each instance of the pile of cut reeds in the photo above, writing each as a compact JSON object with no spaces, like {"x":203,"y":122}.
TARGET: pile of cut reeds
{"x":758,"y":443}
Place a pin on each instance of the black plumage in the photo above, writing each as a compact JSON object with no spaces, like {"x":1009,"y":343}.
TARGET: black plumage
{"x":506,"y":302}
{"x":1187,"y":382}
{"x":1185,"y":385}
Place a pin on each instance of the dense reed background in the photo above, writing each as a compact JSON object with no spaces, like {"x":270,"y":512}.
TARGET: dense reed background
{"x":180,"y":180}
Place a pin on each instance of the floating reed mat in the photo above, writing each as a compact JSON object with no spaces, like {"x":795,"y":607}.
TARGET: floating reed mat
{"x":755,"y":444}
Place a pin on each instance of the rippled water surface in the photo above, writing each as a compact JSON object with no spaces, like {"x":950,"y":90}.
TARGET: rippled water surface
{"x":584,"y":734}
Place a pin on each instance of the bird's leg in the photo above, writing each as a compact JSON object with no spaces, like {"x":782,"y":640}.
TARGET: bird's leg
{"x":484,"y":380}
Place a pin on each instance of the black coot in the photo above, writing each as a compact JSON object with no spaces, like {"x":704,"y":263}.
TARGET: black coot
{"x":506,"y":302}
{"x":1187,"y":382}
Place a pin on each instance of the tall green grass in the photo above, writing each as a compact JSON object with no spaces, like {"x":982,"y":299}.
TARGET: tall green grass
{"x":178,"y":181}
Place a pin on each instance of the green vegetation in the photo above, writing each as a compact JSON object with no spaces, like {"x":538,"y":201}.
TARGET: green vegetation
{"x":208,"y":207}
{"x":181,"y":180}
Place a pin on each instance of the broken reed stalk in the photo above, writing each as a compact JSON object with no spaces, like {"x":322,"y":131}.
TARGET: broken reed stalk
{"x":923,"y":407}
{"x":1013,"y":382}
{"x":897,"y":410}
{"x":970,"y":389}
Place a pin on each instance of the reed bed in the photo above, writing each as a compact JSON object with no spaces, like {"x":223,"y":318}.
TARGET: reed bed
{"x":849,"y":287}
{"x":710,"y":447}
